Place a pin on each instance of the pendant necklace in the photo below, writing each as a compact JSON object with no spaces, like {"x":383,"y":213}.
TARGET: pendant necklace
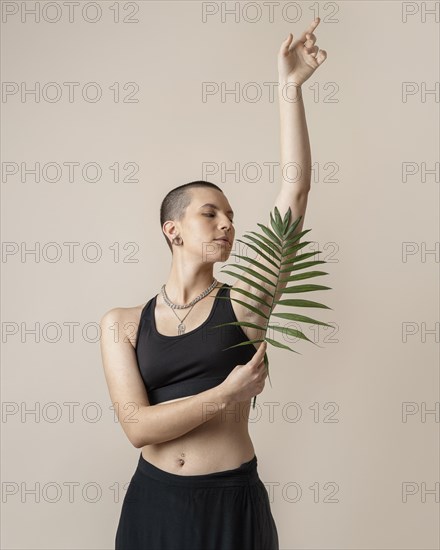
{"x":181,"y":327}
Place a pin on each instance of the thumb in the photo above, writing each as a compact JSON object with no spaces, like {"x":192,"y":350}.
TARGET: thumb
{"x":285,"y":45}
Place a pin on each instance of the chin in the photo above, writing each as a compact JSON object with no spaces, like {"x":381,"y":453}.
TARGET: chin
{"x":217,"y":253}
{"x":218,"y":256}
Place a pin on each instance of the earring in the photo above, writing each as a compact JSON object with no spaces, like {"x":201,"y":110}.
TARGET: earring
{"x":177,"y":240}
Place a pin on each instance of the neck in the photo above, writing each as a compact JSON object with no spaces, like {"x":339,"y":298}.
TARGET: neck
{"x":184,"y":284}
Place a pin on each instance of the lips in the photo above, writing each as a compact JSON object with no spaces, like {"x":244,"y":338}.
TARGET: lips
{"x":223,"y":239}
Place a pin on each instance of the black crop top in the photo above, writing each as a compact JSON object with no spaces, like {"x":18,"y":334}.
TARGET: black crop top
{"x":195,"y":361}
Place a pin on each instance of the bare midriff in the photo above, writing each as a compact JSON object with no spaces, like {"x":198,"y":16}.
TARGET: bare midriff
{"x":220,"y":443}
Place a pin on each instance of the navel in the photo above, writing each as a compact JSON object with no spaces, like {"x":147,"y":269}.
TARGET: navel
{"x":182,"y":459}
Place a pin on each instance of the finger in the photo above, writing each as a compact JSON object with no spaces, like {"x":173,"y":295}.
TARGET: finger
{"x":321,"y":56}
{"x":285,"y":45}
{"x":262,"y":364}
{"x":310,"y":30}
{"x":262,"y":349}
{"x":313,"y":51}
{"x":259,"y":354}
{"x":311,"y":38}
{"x":310,"y":48}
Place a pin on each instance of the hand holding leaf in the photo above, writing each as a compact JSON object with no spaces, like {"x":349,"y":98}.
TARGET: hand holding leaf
{"x":278,"y":245}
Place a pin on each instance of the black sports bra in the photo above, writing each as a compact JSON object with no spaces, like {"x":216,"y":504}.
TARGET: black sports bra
{"x":195,"y":361}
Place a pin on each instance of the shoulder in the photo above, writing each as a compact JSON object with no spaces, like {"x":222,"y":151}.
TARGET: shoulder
{"x":123,"y":320}
{"x":121,"y":314}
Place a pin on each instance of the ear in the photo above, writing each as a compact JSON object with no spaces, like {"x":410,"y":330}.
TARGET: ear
{"x":170,"y":230}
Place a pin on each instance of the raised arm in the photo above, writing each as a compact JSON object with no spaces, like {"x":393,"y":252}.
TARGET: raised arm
{"x":297,"y":61}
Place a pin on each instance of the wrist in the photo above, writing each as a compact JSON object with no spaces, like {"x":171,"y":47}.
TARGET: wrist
{"x":288,"y":82}
{"x":289,"y":92}
{"x":223,"y":397}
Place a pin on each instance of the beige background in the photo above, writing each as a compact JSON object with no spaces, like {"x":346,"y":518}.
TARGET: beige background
{"x":349,"y":452}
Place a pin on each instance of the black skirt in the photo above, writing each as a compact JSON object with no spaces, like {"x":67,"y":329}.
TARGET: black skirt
{"x":227,"y":510}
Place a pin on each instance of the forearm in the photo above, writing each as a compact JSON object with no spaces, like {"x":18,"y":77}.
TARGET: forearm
{"x":163,"y":422}
{"x":294,"y":139}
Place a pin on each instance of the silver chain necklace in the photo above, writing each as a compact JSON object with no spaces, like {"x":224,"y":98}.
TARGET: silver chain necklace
{"x":181,"y":327}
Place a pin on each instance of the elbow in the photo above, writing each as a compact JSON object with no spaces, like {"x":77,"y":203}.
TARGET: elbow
{"x":139,"y":436}
{"x":138,"y":440}
{"x":142,"y":440}
{"x":303,"y":192}
{"x":135,"y":433}
{"x":139,"y":430}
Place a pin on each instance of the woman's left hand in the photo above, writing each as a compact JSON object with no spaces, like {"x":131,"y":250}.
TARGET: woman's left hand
{"x":298,"y":60}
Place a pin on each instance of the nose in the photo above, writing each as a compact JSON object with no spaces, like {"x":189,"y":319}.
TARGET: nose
{"x":226,"y":224}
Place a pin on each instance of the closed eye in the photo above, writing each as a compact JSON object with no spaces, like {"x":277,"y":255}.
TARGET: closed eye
{"x":212,"y":215}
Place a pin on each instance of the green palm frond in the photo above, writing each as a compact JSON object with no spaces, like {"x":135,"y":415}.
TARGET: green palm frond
{"x":276,"y":245}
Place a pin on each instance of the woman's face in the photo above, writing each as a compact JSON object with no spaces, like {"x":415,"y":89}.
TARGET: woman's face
{"x":208,"y":217}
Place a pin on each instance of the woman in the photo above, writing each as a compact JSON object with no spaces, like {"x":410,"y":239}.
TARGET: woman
{"x":180,"y":395}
